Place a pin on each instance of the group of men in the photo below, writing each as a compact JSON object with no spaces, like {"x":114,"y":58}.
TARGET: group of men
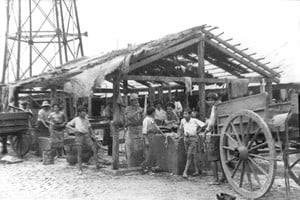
{"x":140,"y":126}
{"x":52,"y":118}
{"x":189,"y":127}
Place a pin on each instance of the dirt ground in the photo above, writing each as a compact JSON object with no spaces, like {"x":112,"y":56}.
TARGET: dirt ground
{"x":31,"y":179}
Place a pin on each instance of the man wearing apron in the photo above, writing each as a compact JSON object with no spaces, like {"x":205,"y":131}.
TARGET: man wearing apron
{"x":133,"y":141}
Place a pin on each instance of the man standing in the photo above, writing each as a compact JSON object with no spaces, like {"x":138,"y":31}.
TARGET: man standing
{"x":133,"y":141}
{"x":43,"y":114}
{"x":160,"y":114}
{"x":149,"y":130}
{"x":214,"y":142}
{"x":42,"y":125}
{"x":189,"y":127}
{"x":84,"y":135}
{"x":107,"y":136}
{"x":57,"y":122}
{"x":25,"y":107}
{"x":172,"y":120}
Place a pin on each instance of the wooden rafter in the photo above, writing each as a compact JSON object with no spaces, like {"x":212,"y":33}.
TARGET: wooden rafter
{"x":160,"y":55}
{"x":243,"y":55}
{"x":241,"y":60}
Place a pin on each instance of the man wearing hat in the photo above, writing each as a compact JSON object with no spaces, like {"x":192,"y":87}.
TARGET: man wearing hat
{"x":43,"y":114}
{"x":25,"y":107}
{"x":42,"y":125}
{"x":133,"y":142}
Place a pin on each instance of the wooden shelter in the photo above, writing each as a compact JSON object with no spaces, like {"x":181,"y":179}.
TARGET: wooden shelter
{"x":197,"y":55}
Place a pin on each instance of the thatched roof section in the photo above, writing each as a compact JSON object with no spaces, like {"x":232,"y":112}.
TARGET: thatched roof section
{"x":173,"y":55}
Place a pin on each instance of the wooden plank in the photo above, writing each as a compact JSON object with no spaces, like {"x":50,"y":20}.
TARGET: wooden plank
{"x":13,"y":123}
{"x":115,"y":127}
{"x":13,"y":116}
{"x":201,"y":72}
{"x":160,"y":55}
{"x":172,"y":79}
{"x":241,"y":60}
{"x":269,"y":90}
{"x":12,"y":130}
{"x":125,"y":92}
{"x":253,"y":102}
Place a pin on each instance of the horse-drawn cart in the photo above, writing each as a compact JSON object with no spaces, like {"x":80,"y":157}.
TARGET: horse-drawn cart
{"x":254,"y":135}
{"x":16,"y":126}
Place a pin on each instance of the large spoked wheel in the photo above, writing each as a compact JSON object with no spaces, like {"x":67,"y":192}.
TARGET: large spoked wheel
{"x":21,"y":143}
{"x":247,"y":153}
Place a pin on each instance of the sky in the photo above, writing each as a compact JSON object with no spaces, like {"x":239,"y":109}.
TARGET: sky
{"x":271,"y":28}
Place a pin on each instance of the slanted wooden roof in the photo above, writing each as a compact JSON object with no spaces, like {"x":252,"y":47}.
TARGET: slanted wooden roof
{"x":174,"y":55}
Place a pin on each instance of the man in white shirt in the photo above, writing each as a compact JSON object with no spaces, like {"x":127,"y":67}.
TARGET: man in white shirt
{"x":189,"y":128}
{"x":84,"y":135}
{"x":178,"y":107}
{"x":160,"y":115}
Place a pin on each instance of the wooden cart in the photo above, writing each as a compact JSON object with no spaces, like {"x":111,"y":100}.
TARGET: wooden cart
{"x":253,"y":136}
{"x":17,"y":127}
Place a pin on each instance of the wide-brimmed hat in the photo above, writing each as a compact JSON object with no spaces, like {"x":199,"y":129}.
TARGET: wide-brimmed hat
{"x":134,"y":96}
{"x":45,"y":104}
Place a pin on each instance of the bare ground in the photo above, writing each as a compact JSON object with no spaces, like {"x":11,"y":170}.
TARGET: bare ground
{"x":33,"y":180}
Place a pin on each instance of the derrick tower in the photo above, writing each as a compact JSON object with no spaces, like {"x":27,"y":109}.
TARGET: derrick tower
{"x":40,"y":35}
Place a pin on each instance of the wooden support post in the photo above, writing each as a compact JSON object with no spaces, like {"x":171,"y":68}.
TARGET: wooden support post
{"x":262,"y":86}
{"x":115,"y":127}
{"x":125,"y":89}
{"x":169,"y":94}
{"x":16,"y":97}
{"x":53,"y":96}
{"x":269,"y":90}
{"x":201,"y":71}
{"x":160,"y":95}
{"x":90,"y":99}
{"x":186,"y":99}
{"x":1,"y":100}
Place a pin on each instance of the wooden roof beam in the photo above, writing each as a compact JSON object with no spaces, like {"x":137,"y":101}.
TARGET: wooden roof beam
{"x":241,"y":60}
{"x":160,"y":55}
{"x":273,"y":73}
{"x":182,"y":79}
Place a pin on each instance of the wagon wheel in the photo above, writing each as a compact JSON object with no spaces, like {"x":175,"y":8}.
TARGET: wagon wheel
{"x":21,"y":143}
{"x":247,"y":153}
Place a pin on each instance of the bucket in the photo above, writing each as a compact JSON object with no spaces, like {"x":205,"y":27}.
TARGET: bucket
{"x":48,"y":157}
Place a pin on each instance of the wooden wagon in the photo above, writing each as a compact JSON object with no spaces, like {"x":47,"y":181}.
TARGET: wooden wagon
{"x":253,"y":136}
{"x":16,"y":126}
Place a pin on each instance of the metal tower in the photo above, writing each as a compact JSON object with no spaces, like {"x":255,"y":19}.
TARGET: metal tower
{"x":40,"y":35}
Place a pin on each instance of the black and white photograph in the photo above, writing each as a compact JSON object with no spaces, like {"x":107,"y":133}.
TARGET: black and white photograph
{"x":149,"y":100}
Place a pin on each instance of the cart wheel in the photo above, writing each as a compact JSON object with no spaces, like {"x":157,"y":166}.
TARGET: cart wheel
{"x":21,"y":143}
{"x":247,"y":154}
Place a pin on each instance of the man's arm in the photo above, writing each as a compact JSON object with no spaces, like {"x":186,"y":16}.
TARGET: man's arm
{"x":70,"y":125}
{"x":212,"y":119}
{"x":131,"y":115}
{"x":181,"y":129}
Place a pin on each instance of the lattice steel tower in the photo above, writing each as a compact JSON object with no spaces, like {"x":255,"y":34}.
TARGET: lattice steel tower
{"x":40,"y":35}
